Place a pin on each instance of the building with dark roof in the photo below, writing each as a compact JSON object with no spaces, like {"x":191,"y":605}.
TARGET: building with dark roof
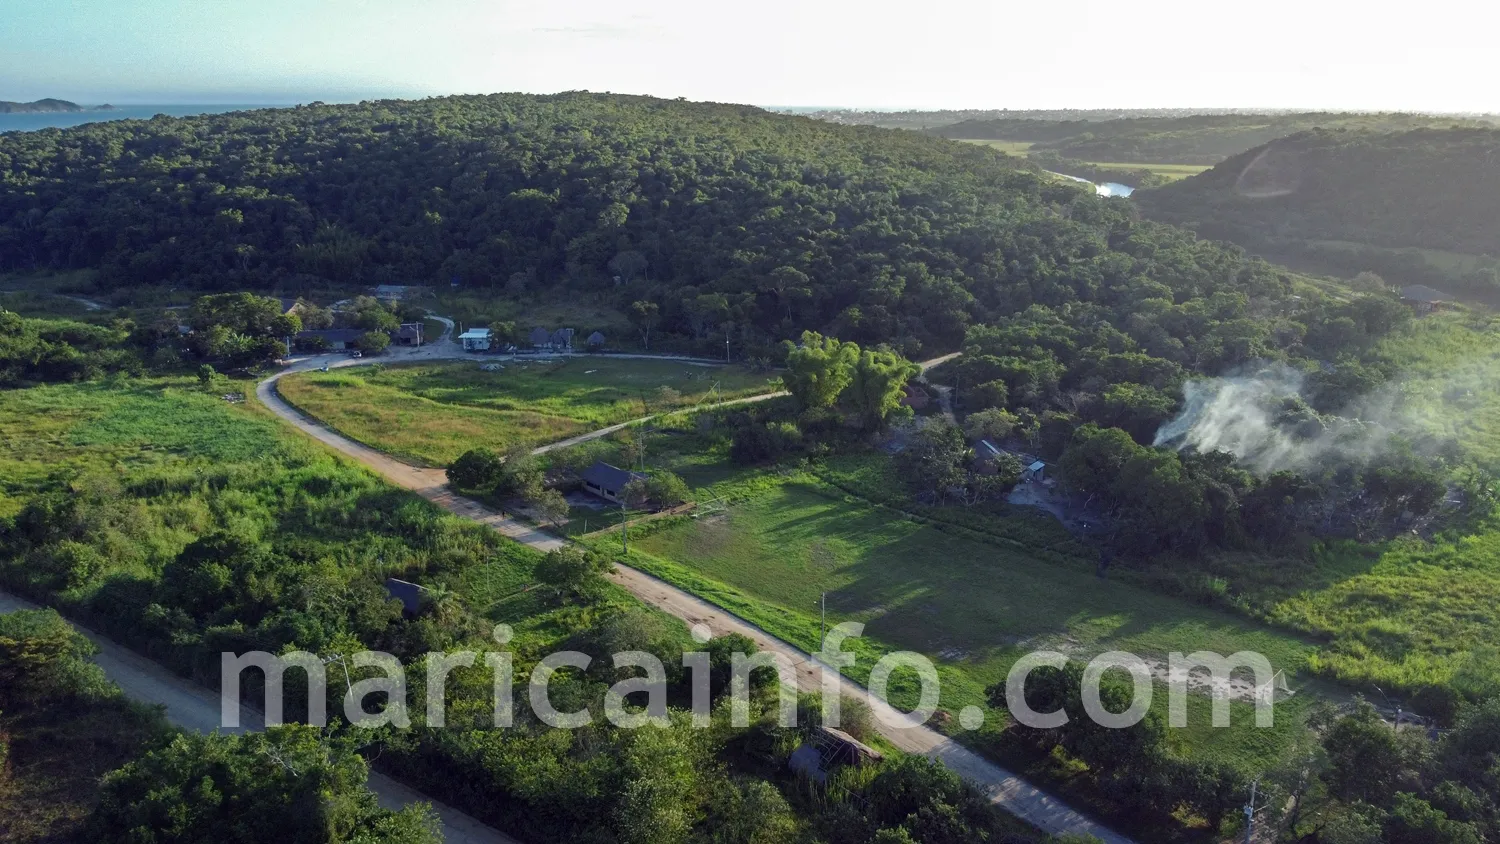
{"x":915,"y":397}
{"x":1423,"y":299}
{"x":606,"y":481}
{"x":409,"y":594}
{"x":329,"y":338}
{"x":596,"y":340}
{"x":540,"y":337}
{"x":409,"y":334}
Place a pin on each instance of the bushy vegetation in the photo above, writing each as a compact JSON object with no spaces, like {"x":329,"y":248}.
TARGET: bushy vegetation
{"x":62,"y":727}
{"x":69,"y":726}
{"x":36,"y":350}
{"x":290,"y":784}
{"x":230,"y":331}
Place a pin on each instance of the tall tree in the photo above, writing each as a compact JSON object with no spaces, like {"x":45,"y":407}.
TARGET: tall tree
{"x":645,"y":316}
{"x":819,"y":369}
{"x":877,"y":385}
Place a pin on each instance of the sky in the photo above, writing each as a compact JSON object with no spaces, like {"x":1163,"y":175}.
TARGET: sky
{"x":1436,"y":56}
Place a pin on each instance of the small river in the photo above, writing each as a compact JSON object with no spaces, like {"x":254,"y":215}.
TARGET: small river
{"x":1106,"y":189}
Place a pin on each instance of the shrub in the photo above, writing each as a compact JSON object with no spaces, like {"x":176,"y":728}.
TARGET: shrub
{"x":476,"y":469}
{"x":373,"y":342}
{"x":666,"y":489}
{"x":571,"y":573}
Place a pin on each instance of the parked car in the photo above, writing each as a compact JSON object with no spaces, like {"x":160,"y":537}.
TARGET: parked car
{"x":356,"y":354}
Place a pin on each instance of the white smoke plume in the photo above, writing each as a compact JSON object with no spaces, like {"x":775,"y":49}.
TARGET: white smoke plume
{"x":1239,"y":414}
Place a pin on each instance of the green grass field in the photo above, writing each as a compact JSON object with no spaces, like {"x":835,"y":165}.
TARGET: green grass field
{"x":972,"y":606}
{"x":126,"y":426}
{"x":1171,"y":171}
{"x":1457,"y":263}
{"x":433,"y":412}
{"x":1022,"y":148}
{"x":1007,"y":147}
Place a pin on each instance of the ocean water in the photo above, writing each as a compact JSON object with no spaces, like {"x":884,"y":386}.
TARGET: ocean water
{"x":32,"y":122}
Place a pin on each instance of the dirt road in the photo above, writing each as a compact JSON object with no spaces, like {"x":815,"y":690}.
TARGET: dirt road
{"x":196,"y":708}
{"x":1004,"y":788}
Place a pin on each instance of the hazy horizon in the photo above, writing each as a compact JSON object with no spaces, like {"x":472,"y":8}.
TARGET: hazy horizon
{"x":147,"y":102}
{"x":954,"y":55}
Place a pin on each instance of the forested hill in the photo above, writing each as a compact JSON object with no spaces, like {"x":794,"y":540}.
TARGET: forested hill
{"x":727,"y":217}
{"x":1189,"y":139}
{"x":47,"y":106}
{"x":1428,"y":188}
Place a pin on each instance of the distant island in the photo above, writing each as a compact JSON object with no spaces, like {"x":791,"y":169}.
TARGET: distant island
{"x":49,"y":106}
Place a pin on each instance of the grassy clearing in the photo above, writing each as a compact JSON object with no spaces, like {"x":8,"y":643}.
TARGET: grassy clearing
{"x":1171,"y":171}
{"x":1023,"y":149}
{"x":1007,"y":147}
{"x":970,"y":605}
{"x":127,"y":425}
{"x":37,"y":305}
{"x":1457,"y":263}
{"x":1450,"y":381}
{"x":434,"y":412}
{"x":971,"y":589}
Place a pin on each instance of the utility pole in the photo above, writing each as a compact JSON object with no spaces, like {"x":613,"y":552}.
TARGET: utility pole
{"x":624,"y":540}
{"x":726,"y":350}
{"x":823,"y":632}
{"x":1250,"y":812}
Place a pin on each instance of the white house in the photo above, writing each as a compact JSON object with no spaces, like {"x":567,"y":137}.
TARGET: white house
{"x":475,"y":340}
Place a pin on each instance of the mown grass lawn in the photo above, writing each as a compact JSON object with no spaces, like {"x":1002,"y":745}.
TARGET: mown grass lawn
{"x":972,"y":606}
{"x":433,"y":412}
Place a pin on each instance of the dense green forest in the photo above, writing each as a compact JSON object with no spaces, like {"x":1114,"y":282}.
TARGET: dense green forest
{"x":1399,"y":203}
{"x":734,"y":222}
{"x":1192,"y":139}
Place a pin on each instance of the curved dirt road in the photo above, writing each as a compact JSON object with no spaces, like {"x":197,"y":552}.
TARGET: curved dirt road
{"x":197,"y":708}
{"x":1004,"y":788}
